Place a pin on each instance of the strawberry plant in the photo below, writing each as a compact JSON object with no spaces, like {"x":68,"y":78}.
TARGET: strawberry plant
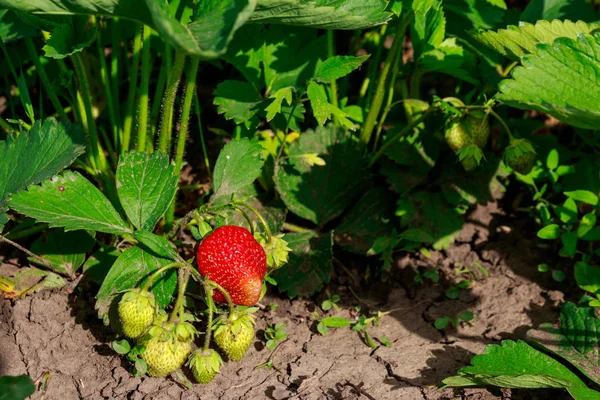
{"x":184,"y":159}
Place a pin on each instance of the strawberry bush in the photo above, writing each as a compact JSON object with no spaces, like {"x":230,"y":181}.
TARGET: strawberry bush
{"x":184,"y":158}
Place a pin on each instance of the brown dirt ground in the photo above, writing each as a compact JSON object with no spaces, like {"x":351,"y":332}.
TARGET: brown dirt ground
{"x":59,"y":333}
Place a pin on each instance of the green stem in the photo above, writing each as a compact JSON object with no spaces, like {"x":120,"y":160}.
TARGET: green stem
{"x":506,"y":128}
{"x":183,"y":277}
{"x":109,"y":149}
{"x":166,"y":122}
{"x":97,"y":154}
{"x":190,"y":89}
{"x":144,"y":87}
{"x":331,"y":53}
{"x":295,"y":228}
{"x":204,"y":151}
{"x":415,"y":85}
{"x":19,"y":234}
{"x":247,"y":217}
{"x":260,"y":218}
{"x":5,"y":125}
{"x":215,"y":285}
{"x":373,"y":68}
{"x":400,"y":134}
{"x":159,"y":272}
{"x":388,"y":105}
{"x":137,"y":46}
{"x":114,"y":77}
{"x":380,"y":92}
{"x":45,"y":81}
{"x":104,"y":73}
{"x":209,"y":302}
{"x":158,"y":92}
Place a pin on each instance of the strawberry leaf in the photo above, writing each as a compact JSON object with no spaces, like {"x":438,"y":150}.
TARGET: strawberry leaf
{"x":515,"y":365}
{"x":146,"y":186}
{"x":239,"y":101}
{"x":37,"y":155}
{"x":575,"y":339}
{"x":309,"y":265}
{"x":321,"y":193}
{"x":337,"y":67}
{"x":72,"y":202}
{"x":65,"y":251}
{"x":238,"y":165}
{"x":133,"y":267}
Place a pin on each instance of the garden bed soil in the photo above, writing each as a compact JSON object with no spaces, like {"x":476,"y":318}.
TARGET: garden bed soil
{"x":58,"y":332}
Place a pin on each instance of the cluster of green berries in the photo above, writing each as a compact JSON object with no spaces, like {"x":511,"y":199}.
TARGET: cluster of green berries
{"x":168,"y":344}
{"x":469,"y":135}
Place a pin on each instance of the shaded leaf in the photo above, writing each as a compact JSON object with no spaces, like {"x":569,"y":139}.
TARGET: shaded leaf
{"x":158,"y":245}
{"x":576,"y":339}
{"x":98,"y":264}
{"x":320,"y":193}
{"x":239,"y":101}
{"x":16,"y":387}
{"x":65,"y":251}
{"x":309,"y":265}
{"x":337,"y":67}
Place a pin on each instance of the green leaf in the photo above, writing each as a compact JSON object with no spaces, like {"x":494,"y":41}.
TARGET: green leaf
{"x":569,"y":241}
{"x":518,"y":41}
{"x":37,"y":155}
{"x":97,"y":266}
{"x":584,"y":196}
{"x":146,"y":186}
{"x":12,"y":28}
{"x":238,"y":165}
{"x":16,"y":387}
{"x":319,"y":102}
{"x":568,"y":212}
{"x":587,"y":223}
{"x":321,"y":193}
{"x":515,"y":365}
{"x":552,"y":159}
{"x":570,"y":68}
{"x":449,"y":58}
{"x":207,"y":36}
{"x":121,"y":346}
{"x":576,"y":339}
{"x":309,"y":265}
{"x":72,"y":202}
{"x":549,"y":232}
{"x":325,"y":14}
{"x":558,"y":9}
{"x":337,"y":67}
{"x":370,"y":219}
{"x":158,"y":245}
{"x":587,"y":277}
{"x":336,"y":322}
{"x":70,"y":36}
{"x":65,"y":251}
{"x":133,"y":267}
{"x":428,"y":31}
{"x":239,"y":101}
{"x":441,"y":323}
{"x":278,"y":96}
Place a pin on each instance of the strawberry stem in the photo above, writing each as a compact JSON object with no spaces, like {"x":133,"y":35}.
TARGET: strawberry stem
{"x":215,"y":285}
{"x":504,"y":125}
{"x":210,"y":304}
{"x":159,"y":272}
{"x":247,"y":217}
{"x":183,"y":277}
{"x":259,"y":216}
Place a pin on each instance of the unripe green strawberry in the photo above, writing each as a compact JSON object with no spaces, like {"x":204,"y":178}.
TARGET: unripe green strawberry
{"x":520,"y":156}
{"x":470,"y":157}
{"x":137,"y":310}
{"x":277,"y":250}
{"x":479,"y":128}
{"x":205,"y":365}
{"x":164,"y":353}
{"x":457,"y":135}
{"x":235,"y":335}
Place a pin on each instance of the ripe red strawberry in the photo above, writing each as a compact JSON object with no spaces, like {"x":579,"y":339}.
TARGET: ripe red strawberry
{"x":231,"y":257}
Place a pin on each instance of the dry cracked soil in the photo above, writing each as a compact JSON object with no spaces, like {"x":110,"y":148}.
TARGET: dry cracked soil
{"x":57,"y":334}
